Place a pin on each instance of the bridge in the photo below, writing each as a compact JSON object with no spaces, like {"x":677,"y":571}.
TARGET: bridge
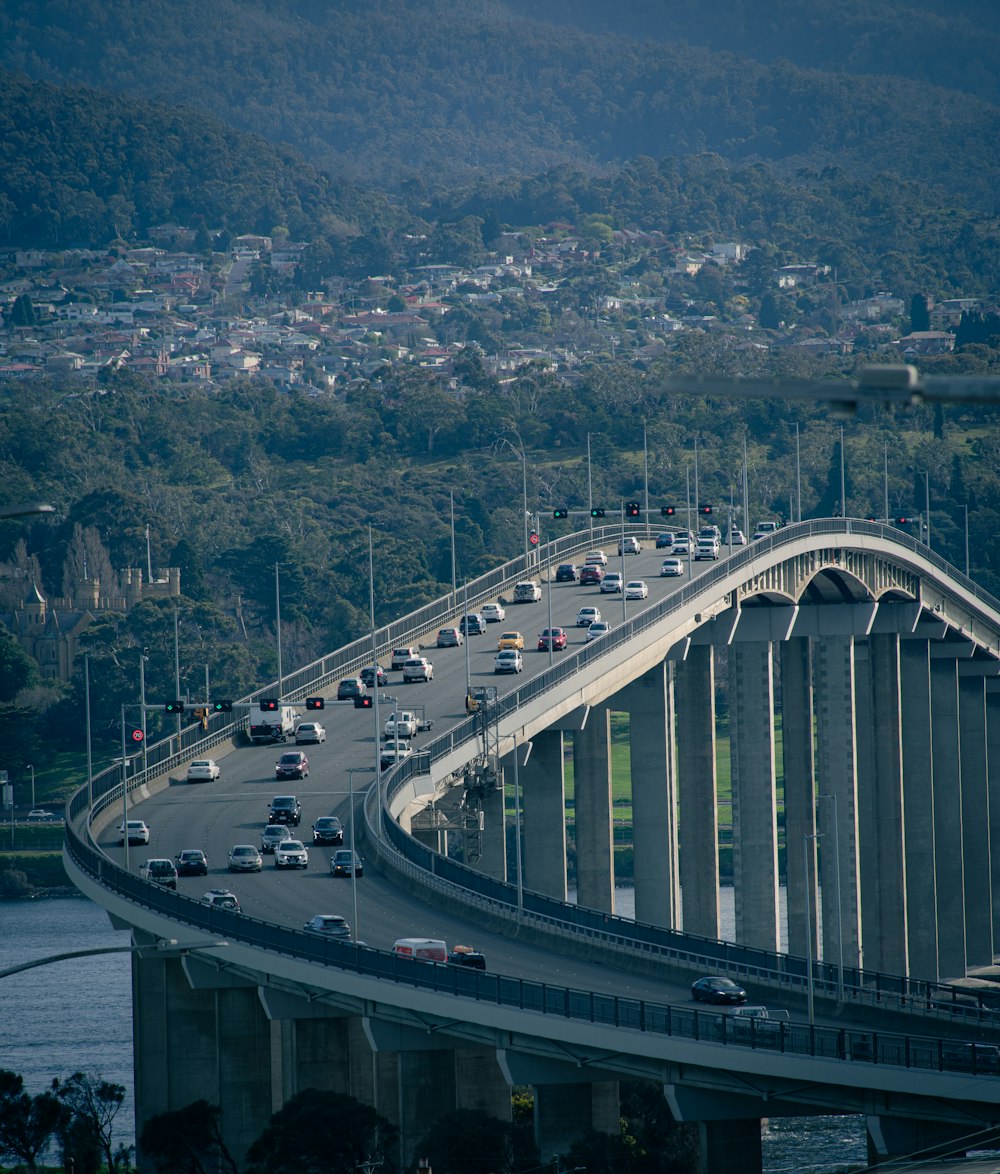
{"x":876,"y":664}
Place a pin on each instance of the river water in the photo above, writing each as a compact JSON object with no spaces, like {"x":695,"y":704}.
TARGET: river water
{"x":77,"y":1016}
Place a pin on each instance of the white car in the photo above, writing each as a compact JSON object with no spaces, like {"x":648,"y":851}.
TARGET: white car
{"x":203,"y":770}
{"x":630,"y":545}
{"x":508,"y":660}
{"x":309,"y":732}
{"x":291,"y":854}
{"x":419,"y":668}
{"x":391,"y":754}
{"x":738,"y":538}
{"x":636,"y":589}
{"x":671,"y":567}
{"x":493,"y":613}
{"x":681,"y":546}
{"x":596,"y":558}
{"x":611,"y":582}
{"x":587,"y":616}
{"x":598,"y":628}
{"x":138,"y":832}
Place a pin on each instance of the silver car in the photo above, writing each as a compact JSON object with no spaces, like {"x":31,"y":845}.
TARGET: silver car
{"x":291,"y":854}
{"x":273,"y":835}
{"x":245,"y":858}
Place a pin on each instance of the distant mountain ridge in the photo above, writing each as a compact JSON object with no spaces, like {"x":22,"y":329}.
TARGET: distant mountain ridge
{"x":393,"y":93}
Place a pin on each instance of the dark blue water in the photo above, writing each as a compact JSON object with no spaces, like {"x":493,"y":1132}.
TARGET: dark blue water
{"x":77,"y":1016}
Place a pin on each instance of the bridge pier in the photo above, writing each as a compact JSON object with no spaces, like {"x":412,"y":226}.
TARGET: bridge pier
{"x":975,"y":803}
{"x":543,"y":803}
{"x":799,"y":766}
{"x":946,"y":755}
{"x":993,"y":794}
{"x":595,"y":858}
{"x":894,"y":1138}
{"x":564,"y":1113}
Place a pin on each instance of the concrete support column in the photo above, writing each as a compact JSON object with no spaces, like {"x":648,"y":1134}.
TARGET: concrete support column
{"x":185,"y":1033}
{"x":697,"y":793}
{"x":918,"y":808}
{"x":426,"y":1090}
{"x":993,"y":798}
{"x":480,"y":1083}
{"x":755,"y":830}
{"x":799,"y":765}
{"x":317,"y":1055}
{"x":564,"y":1113}
{"x":595,"y":864}
{"x":654,"y":809}
{"x":975,"y":819}
{"x":948,"y":856}
{"x":836,"y":768}
{"x":895,"y":1138}
{"x":880,"y":804}
{"x":730,"y":1147}
{"x":543,"y":804}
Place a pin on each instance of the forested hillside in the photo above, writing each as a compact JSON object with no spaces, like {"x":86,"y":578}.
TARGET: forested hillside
{"x":437,"y":92}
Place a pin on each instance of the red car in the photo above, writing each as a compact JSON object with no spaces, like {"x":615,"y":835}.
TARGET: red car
{"x":557,"y":637}
{"x":591,"y":575}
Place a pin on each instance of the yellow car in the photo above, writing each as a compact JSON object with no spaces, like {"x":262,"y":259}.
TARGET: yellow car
{"x":511,"y":640}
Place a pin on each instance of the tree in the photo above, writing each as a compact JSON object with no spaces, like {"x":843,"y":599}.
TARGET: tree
{"x":187,"y":1141}
{"x":22,"y":312}
{"x":87,"y":558}
{"x":27,"y":1123}
{"x":467,"y":1141}
{"x":92,"y":1104}
{"x":321,"y":1133}
{"x":17,"y":669}
{"x":920,"y":312}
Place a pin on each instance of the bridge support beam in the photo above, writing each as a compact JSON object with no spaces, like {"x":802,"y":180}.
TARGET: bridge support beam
{"x":543,"y":803}
{"x":948,"y":860}
{"x":564,"y":1113}
{"x":993,"y":797}
{"x":893,"y":1138}
{"x":836,"y":767}
{"x":755,"y":832}
{"x":595,"y":861}
{"x":493,"y":844}
{"x":697,"y":792}
{"x":975,"y":815}
{"x":654,"y":807}
{"x":918,"y":806}
{"x":799,"y":767}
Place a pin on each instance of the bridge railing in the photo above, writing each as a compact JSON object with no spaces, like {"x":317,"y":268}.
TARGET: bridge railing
{"x":547,"y":999}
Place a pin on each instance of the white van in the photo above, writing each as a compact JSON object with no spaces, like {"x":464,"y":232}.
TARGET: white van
{"x":527,"y":592}
{"x":423,"y":949}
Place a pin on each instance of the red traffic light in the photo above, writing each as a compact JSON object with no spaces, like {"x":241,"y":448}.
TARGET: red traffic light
{"x":668,"y":511}
{"x":314,"y":703}
{"x":363,"y":703}
{"x":632,"y":509}
{"x":704,"y":509}
{"x":269,"y":704}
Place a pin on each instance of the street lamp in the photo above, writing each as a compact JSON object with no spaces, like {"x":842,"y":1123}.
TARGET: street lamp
{"x":32,"y":769}
{"x":142,"y":699}
{"x":277,"y":624}
{"x":809,"y":933}
{"x":351,"y":772}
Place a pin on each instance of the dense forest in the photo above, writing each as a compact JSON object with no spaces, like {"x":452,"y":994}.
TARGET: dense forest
{"x":438,"y":92}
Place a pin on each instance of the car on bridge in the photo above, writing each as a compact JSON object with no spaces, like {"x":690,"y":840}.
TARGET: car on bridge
{"x":595,"y":558}
{"x":351,"y":687}
{"x":346,"y":861}
{"x":203,"y":770}
{"x":613,"y":581}
{"x":665,"y":540}
{"x":493,"y":613}
{"x":510,"y":640}
{"x":401,"y":655}
{"x":555,"y":638}
{"x":306,"y":732}
{"x":468,"y":957}
{"x":681,"y":546}
{"x":393,"y":752}
{"x":293,"y":764}
{"x":636,"y":589}
{"x":587,"y":616}
{"x":629,"y":545}
{"x":508,"y":660}
{"x":138,"y":832}
{"x":418,"y":668}
{"x":328,"y":830}
{"x":368,"y":677}
{"x":291,"y":854}
{"x":591,"y":576}
{"x":285,"y":809}
{"x":472,"y":624}
{"x":598,"y":628}
{"x":737,"y":537}
{"x":715,"y":989}
{"x":160,"y":872}
{"x":330,"y":925}
{"x":37,"y":815}
{"x":272,"y":836}
{"x":671,"y":567}
{"x":221,"y":899}
{"x":567,"y":573}
{"x":450,"y":638}
{"x":245,"y":858}
{"x":191,"y":862}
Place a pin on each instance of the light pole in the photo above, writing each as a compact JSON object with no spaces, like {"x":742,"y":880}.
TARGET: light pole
{"x":697,"y":499}
{"x":843,"y":478}
{"x":927,"y":503}
{"x":351,"y":772}
{"x":966,"y":509}
{"x":645,"y":473}
{"x":32,"y":769}
{"x":277,"y":625}
{"x":142,"y":699}
{"x":517,"y":836}
{"x":621,"y":546}
{"x":885,"y":479}
{"x":590,"y":491}
{"x":371,"y":617}
{"x":86,"y":710}
{"x":124,"y":793}
{"x":809,"y":932}
{"x":798,"y":477}
{"x":836,"y":885}
{"x":454,"y":581}
{"x":177,"y":670}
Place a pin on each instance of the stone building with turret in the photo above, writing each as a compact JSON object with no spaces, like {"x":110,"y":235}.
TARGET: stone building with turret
{"x":49,"y":630}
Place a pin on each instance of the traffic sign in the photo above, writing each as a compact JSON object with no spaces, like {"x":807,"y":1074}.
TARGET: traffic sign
{"x":137,"y":735}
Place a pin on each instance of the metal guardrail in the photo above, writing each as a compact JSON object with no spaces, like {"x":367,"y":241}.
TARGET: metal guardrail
{"x":639,"y":1015}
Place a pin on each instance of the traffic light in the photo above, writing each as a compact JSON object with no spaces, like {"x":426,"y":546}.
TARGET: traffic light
{"x":363,"y":703}
{"x":668,"y":511}
{"x":314,"y":703}
{"x":632,"y":509}
{"x":174,"y":707}
{"x":269,"y":704}
{"x":222,"y":706}
{"x":905,"y":521}
{"x":705,"y":509}
{"x":533,"y":537}
{"x":560,"y":514}
{"x":201,"y":715}
{"x":597,"y":513}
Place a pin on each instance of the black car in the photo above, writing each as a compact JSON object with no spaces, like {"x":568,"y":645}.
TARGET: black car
{"x":464,"y":956}
{"x":713,"y":989}
{"x":191,"y":862}
{"x":567,"y":573}
{"x":665,"y":540}
{"x":350,"y":688}
{"x":342,"y":861}
{"x":367,"y":676}
{"x":285,"y":809}
{"x":472,"y":625}
{"x":328,"y":830}
{"x":293,"y":764}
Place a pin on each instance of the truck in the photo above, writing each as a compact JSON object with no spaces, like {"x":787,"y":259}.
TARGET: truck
{"x":402,"y":725}
{"x":272,"y":725}
{"x":423,"y":949}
